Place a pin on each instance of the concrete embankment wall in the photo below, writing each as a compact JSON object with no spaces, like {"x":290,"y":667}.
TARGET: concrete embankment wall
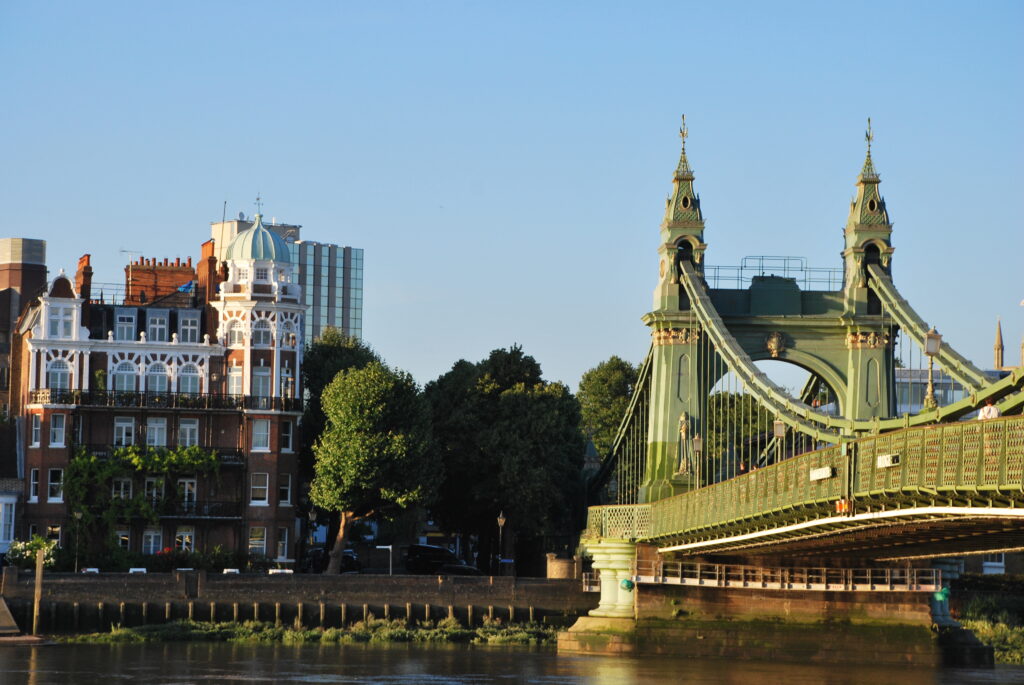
{"x":73,"y":603}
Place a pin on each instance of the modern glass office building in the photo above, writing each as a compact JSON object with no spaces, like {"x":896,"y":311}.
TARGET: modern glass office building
{"x":331,"y":277}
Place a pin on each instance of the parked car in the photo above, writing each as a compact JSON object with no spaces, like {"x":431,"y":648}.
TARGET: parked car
{"x":317,"y":559}
{"x":430,"y":559}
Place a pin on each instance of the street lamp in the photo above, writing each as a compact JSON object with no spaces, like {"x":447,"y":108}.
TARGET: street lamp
{"x":779,"y":433}
{"x":932,"y":345}
{"x":78,"y":533}
{"x":501,"y":529}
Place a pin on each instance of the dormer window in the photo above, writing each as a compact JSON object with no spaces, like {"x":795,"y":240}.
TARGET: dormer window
{"x":156,"y":328}
{"x":188,"y":329}
{"x":261,"y":274}
{"x":124,"y":326}
{"x":60,"y":322}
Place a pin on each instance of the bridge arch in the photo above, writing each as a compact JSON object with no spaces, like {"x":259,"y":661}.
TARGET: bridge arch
{"x":813,"y":365}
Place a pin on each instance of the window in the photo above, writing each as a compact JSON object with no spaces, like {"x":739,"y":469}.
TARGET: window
{"x":58,"y":375}
{"x":154,"y":490}
{"x":261,"y":435}
{"x":152,"y":541}
{"x":187,"y":491}
{"x":124,"y":326}
{"x":261,"y":333}
{"x":289,"y":334}
{"x":55,"y":486}
{"x":282,"y":543}
{"x":287,"y":383}
{"x":6,"y":522}
{"x":236,"y":333}
{"x":188,"y":432}
{"x":243,"y":275}
{"x":286,"y":436}
{"x":156,"y":432}
{"x":261,"y":381}
{"x":36,"y":420}
{"x":59,"y":322}
{"x":33,"y":530}
{"x":284,"y":488}
{"x":156,"y":327}
{"x":122,"y":539}
{"x":185,"y":539}
{"x":124,"y":431}
{"x":188,"y":329}
{"x":188,"y":379}
{"x":124,"y":376}
{"x":156,"y":378}
{"x":57,"y":430}
{"x":53,"y":533}
{"x":235,"y":380}
{"x":258,"y":541}
{"x":33,"y":485}
{"x":259,"y":485}
{"x":121,"y":488}
{"x":261,"y":274}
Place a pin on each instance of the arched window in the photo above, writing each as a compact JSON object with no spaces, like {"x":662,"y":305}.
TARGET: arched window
{"x":58,"y":375}
{"x":188,"y":379}
{"x":261,"y":333}
{"x":125,"y":374}
{"x":156,"y":378}
{"x":236,"y":334}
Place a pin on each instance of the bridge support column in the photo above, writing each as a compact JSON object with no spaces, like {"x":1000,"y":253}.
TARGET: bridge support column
{"x":614,"y":559}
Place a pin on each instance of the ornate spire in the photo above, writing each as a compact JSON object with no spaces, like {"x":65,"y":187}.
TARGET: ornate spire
{"x":683,"y":171}
{"x":868,"y":172}
{"x":998,"y":347}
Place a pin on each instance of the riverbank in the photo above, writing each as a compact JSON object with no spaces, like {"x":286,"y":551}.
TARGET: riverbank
{"x":372,"y":630}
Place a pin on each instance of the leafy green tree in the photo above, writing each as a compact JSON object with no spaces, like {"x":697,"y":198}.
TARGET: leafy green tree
{"x":604,"y":394}
{"x":509,"y":442}
{"x":374,"y":455}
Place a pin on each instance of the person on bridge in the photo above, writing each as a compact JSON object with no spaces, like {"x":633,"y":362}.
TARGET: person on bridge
{"x":989,"y":411}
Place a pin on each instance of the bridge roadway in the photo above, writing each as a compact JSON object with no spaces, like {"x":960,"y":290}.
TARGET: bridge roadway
{"x":913,"y":493}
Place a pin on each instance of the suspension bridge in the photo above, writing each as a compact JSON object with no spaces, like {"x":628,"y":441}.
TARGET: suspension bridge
{"x":714,"y":457}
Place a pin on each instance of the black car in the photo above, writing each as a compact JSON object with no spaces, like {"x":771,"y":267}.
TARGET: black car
{"x":317,"y":559}
{"x":430,"y":559}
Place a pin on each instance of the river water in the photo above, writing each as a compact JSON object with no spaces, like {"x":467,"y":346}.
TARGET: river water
{"x":184,"y":663}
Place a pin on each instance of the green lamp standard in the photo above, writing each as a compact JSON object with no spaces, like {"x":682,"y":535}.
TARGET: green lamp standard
{"x":697,"y":443}
{"x":932,"y":345}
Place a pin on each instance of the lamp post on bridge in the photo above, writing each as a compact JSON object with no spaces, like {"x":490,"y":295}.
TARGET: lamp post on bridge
{"x":697,"y":443}
{"x":501,"y":529}
{"x":932,"y":345}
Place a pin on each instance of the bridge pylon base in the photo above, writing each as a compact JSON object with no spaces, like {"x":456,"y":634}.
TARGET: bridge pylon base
{"x":614,"y":559}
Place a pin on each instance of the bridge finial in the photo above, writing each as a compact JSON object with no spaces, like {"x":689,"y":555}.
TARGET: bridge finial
{"x":683,"y":170}
{"x":869,"y":168}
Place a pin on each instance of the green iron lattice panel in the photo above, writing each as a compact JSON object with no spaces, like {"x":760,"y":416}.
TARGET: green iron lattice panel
{"x":951,"y":442}
{"x":1015,"y":453}
{"x":914,"y":456}
{"x":994,"y":435}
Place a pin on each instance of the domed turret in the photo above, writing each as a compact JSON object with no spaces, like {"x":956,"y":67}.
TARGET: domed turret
{"x":258,"y":244}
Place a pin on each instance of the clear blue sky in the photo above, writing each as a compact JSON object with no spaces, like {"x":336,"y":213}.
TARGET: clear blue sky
{"x":504,"y":165}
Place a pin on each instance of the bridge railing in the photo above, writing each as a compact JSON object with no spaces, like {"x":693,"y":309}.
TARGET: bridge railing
{"x":619,"y":521}
{"x":786,"y":578}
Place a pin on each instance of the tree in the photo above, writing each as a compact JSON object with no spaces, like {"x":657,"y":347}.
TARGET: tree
{"x":604,"y":395}
{"x":374,"y":455}
{"x":509,"y":442}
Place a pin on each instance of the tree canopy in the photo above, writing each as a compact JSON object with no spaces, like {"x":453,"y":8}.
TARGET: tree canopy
{"x":509,"y":442}
{"x":604,"y":395}
{"x":374,"y":455}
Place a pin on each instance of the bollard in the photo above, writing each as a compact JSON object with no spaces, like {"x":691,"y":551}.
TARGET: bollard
{"x":213,"y":612}
{"x":191,"y":610}
{"x":76,"y":616}
{"x":167,"y":611}
{"x":145,"y":613}
{"x":321,"y":614}
{"x":234,"y":612}
{"x":277,"y":613}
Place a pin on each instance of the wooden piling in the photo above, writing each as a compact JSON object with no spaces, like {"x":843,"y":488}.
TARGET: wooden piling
{"x":321,"y":614}
{"x":234,"y":612}
{"x":213,"y":612}
{"x":191,"y":610}
{"x":76,"y":616}
{"x":167,"y":611}
{"x":145,"y":613}
{"x":277,"y":613}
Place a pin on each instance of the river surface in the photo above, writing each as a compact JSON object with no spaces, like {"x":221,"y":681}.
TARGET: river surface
{"x":184,"y":663}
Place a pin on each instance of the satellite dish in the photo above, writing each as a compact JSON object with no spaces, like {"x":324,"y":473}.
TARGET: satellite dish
{"x":241,"y":216}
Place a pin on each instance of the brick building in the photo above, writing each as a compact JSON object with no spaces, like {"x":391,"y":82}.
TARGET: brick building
{"x":212,"y":361}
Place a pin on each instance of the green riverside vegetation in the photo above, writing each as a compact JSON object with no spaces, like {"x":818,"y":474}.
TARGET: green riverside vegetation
{"x":373,"y":630}
{"x":996,"y":620}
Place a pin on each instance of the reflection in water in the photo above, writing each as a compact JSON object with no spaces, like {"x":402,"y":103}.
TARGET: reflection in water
{"x":178,"y":664}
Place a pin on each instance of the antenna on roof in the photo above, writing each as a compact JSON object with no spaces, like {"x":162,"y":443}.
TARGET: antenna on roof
{"x":224,"y":212}
{"x":130,"y":253}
